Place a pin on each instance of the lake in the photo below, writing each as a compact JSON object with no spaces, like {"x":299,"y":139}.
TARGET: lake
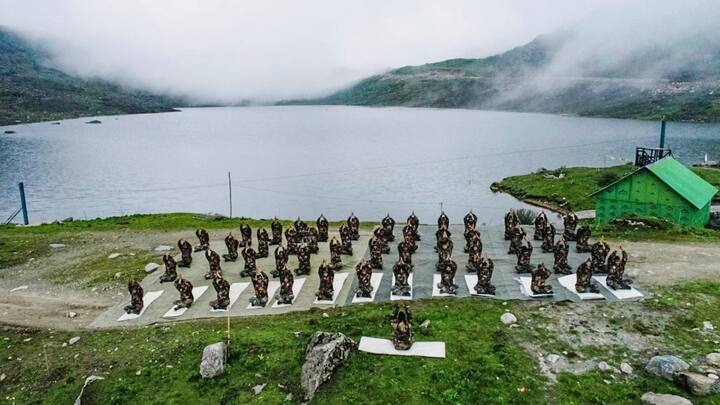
{"x":303,"y":160}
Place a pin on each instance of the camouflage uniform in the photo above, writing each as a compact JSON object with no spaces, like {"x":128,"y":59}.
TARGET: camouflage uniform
{"x":409,"y":238}
{"x":286,"y":295}
{"x":263,"y":243}
{"x":276,"y":229}
{"x":364,"y":277}
{"x":185,"y":288}
{"x":322,"y":226}
{"x":327,"y":276}
{"x":570,"y":222}
{"x":414,"y":223}
{"x":381,"y":235}
{"x":302,"y":229}
{"x":401,"y":271}
{"x":598,"y":255}
{"x":584,"y":281}
{"x":444,"y":249}
{"x":443,"y":220}
{"x":523,"y":257}
{"x":292,"y":240}
{"x":447,"y":277}
{"x":406,"y":247}
{"x":583,"y":236}
{"x":541,"y":222}
{"x":232,"y":248}
{"x":204,"y":240}
{"x":214,"y":263}
{"x":345,"y":240}
{"x":511,"y":221}
{"x":518,"y":234}
{"x":442,"y":233}
{"x":170,"y":269}
{"x":222,"y":288}
{"x":354,"y":224}
{"x":388,"y":225}
{"x":335,"y":253}
{"x":376,"y":260}
{"x":470,"y":221}
{"x":185,"y":253}
{"x":562,"y":249}
{"x":303,"y":256}
{"x":484,"y":273}
{"x":539,"y":275}
{"x":474,"y":259}
{"x":616,"y":271}
{"x":401,"y":324}
{"x":249,"y":257}
{"x":136,"y":297}
{"x":260,"y":283}
{"x":472,"y":238}
{"x":312,"y":240}
{"x":245,"y":235}
{"x":548,"y":244}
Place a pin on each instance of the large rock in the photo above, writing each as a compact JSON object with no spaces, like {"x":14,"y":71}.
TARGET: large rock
{"x":325,"y":353}
{"x":150,"y":267}
{"x":699,"y":384}
{"x":713,"y":359}
{"x":666,"y":366}
{"x":651,"y":398}
{"x":508,"y":318}
{"x":213,"y":360}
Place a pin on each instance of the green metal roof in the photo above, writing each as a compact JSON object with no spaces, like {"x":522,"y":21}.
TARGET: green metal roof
{"x":678,"y":177}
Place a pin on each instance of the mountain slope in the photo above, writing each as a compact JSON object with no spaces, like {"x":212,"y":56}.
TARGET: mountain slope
{"x":31,"y":91}
{"x":646,"y":84}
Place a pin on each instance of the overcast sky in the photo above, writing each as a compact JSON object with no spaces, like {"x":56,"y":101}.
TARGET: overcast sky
{"x":265,"y":50}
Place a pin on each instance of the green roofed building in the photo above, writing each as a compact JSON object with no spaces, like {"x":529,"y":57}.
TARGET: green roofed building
{"x":665,"y":189}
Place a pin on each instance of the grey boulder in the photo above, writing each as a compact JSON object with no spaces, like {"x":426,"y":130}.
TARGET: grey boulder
{"x":213,"y":360}
{"x":325,"y":353}
{"x":651,"y":398}
{"x":699,"y":384}
{"x":666,"y":366}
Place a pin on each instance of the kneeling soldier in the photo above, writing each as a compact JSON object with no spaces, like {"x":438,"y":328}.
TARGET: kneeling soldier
{"x":222,"y":288}
{"x":185,"y":288}
{"x":539,"y":275}
{"x":327,"y":276}
{"x":364,"y":277}
{"x":136,"y":297}
{"x":204,"y":238}
{"x":260,"y":283}
{"x":185,"y":253}
{"x":170,"y":269}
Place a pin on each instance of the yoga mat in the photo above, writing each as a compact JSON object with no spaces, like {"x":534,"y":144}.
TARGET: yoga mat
{"x":337,"y":286}
{"x":375,"y":280}
{"x":297,"y":286}
{"x":148,"y":299}
{"x":402,"y":297}
{"x":235,"y":290}
{"x":569,"y":283}
{"x":197,"y":292}
{"x":385,"y":346}
{"x":619,"y":294}
{"x":273,"y":286}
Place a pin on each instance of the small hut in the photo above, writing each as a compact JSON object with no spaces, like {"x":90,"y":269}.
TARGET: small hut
{"x":664,"y":189}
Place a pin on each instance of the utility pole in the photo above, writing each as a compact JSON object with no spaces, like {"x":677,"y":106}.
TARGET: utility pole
{"x":662,"y":133}
{"x":230,"y":189}
{"x":23,"y":203}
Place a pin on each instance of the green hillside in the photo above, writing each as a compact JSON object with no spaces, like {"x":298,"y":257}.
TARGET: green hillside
{"x":31,"y":91}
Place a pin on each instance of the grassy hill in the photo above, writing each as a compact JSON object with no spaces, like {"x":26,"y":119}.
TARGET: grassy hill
{"x":32,"y":91}
{"x":639,"y":86}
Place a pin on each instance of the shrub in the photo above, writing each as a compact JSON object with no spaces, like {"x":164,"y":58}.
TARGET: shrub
{"x":526,"y":216}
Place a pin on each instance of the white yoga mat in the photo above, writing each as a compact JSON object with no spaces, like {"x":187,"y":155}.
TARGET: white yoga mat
{"x":385,"y":346}
{"x":148,"y":299}
{"x":197,"y":292}
{"x":338,"y":283}
{"x":273,"y":286}
{"x":569,"y":283}
{"x":235,"y":290}
{"x":375,"y":280}
{"x":525,"y":288}
{"x":297,"y":286}
{"x":394,"y":297}
{"x":619,"y":294}
{"x":436,"y":289}
{"x":471,"y":281}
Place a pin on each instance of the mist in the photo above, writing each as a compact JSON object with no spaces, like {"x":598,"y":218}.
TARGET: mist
{"x":231,"y":52}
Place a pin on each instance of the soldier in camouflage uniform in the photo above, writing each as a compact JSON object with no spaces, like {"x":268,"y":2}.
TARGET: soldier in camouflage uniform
{"x":474,"y":259}
{"x":511,"y":221}
{"x":232,"y":247}
{"x":303,"y":256}
{"x":250,"y":258}
{"x":472,"y":238}
{"x":444,"y":249}
{"x":312,"y":240}
{"x":301,"y":229}
{"x":222,"y":288}
{"x":484,"y":273}
{"x":584,"y":282}
{"x":516,"y":240}
{"x":260,"y":282}
{"x":414,"y":224}
{"x":263,"y":243}
{"x":204,"y":238}
{"x":185,"y":288}
{"x":353,"y":224}
{"x":443,"y":220}
{"x":405,"y":250}
{"x":245,"y":235}
{"x":281,"y":260}
{"x":276,"y":229}
{"x":541,"y":222}
{"x":560,"y":253}
{"x":583,"y":237}
{"x":523,"y":257}
{"x":401,"y":287}
{"x":388,"y":225}
{"x":170,"y":269}
{"x":286,"y":295}
{"x":401,"y":324}
{"x":327,"y":276}
{"x":616,"y":270}
{"x":379,"y":234}
{"x":335,"y":253}
{"x":345,"y":240}
{"x":291,"y":238}
{"x":322,"y":226}
{"x":548,"y":245}
{"x":598,"y":256}
{"x":570,"y":222}
{"x":136,"y":297}
{"x":447,"y":277}
{"x":442,"y":233}
{"x":185,"y":253}
{"x":376,"y":260}
{"x":539,"y":275}
{"x":363,"y":270}
{"x":213,"y":260}
{"x":470,"y":221}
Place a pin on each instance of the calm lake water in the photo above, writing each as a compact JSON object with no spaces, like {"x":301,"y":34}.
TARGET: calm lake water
{"x":300,"y":161}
